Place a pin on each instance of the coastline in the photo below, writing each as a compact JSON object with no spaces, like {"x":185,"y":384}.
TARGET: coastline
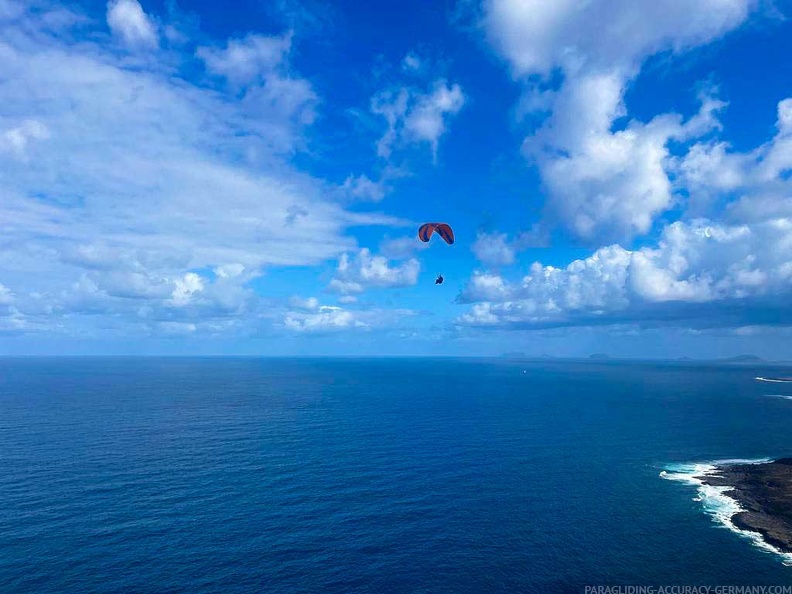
{"x":764,"y":494}
{"x":753,"y":498}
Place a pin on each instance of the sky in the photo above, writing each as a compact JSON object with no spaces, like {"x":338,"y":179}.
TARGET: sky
{"x":179,"y":178}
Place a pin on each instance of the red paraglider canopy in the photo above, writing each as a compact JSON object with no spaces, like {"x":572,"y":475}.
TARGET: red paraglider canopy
{"x":443,"y":230}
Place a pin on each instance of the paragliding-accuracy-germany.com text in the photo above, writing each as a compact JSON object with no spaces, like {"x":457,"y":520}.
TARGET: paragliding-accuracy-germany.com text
{"x":688,"y":590}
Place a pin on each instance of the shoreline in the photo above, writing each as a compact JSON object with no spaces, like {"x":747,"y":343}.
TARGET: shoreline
{"x":764,"y":495}
{"x":752,"y":498}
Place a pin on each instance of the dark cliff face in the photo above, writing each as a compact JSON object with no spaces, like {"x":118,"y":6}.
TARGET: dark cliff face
{"x":764,"y":491}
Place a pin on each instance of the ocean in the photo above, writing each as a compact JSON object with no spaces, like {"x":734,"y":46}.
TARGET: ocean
{"x":154,"y":475}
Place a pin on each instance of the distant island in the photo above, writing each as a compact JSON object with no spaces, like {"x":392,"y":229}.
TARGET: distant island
{"x":521,"y":355}
{"x":764,"y":492}
{"x":748,"y":359}
{"x":738,"y":360}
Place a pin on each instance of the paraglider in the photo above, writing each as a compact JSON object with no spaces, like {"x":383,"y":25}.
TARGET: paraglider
{"x":444,"y":230}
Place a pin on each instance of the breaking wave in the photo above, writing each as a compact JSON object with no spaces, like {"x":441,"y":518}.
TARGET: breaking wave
{"x":715,"y":500}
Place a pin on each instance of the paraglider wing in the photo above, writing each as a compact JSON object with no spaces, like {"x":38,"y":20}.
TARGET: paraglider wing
{"x":442,"y":229}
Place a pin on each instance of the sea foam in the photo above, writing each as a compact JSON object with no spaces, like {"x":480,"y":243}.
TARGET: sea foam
{"x":715,"y":500}
{"x":774,"y":380}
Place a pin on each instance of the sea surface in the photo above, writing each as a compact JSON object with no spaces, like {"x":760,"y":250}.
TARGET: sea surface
{"x":362,"y":475}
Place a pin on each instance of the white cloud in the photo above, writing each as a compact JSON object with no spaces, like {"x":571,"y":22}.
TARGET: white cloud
{"x":326,"y":319}
{"x":142,"y":295}
{"x":367,"y":271}
{"x":399,"y":248}
{"x":309,"y":304}
{"x":486,"y":287}
{"x":142,"y":181}
{"x":493,"y":249}
{"x":329,"y":319}
{"x":709,"y":168}
{"x":536,"y":37}
{"x":259,"y":65}
{"x":426,"y":122}
{"x":763,"y":205}
{"x":604,"y":184}
{"x":177,"y":328}
{"x":737,"y":266}
{"x":416,"y":117}
{"x":17,"y":139}
{"x":345,"y":287}
{"x":761,"y":177}
{"x":12,"y":321}
{"x":412,"y":62}
{"x":229,"y":270}
{"x":6,"y":296}
{"x":127,"y":19}
{"x":186,"y":287}
{"x":362,"y":188}
{"x":609,"y":185}
{"x":245,"y":60}
{"x":392,"y":106}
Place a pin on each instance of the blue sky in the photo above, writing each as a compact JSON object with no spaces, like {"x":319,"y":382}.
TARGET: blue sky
{"x":176,"y":178}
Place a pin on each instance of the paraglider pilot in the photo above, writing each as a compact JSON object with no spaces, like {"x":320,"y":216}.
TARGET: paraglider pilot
{"x":444,"y":230}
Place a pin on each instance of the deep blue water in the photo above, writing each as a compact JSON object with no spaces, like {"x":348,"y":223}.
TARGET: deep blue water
{"x":282,"y":476}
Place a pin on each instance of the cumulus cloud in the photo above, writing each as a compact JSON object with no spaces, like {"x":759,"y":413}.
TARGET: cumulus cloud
{"x":324,"y":319}
{"x":604,"y":184}
{"x":537,"y":37}
{"x":759,"y":178}
{"x":364,"y":271}
{"x":148,"y":297}
{"x":735,"y":270}
{"x":708,"y":169}
{"x":185,"y":288}
{"x":327,"y":318}
{"x":127,"y":19}
{"x":609,"y":185}
{"x":415,"y":117}
{"x":486,"y":287}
